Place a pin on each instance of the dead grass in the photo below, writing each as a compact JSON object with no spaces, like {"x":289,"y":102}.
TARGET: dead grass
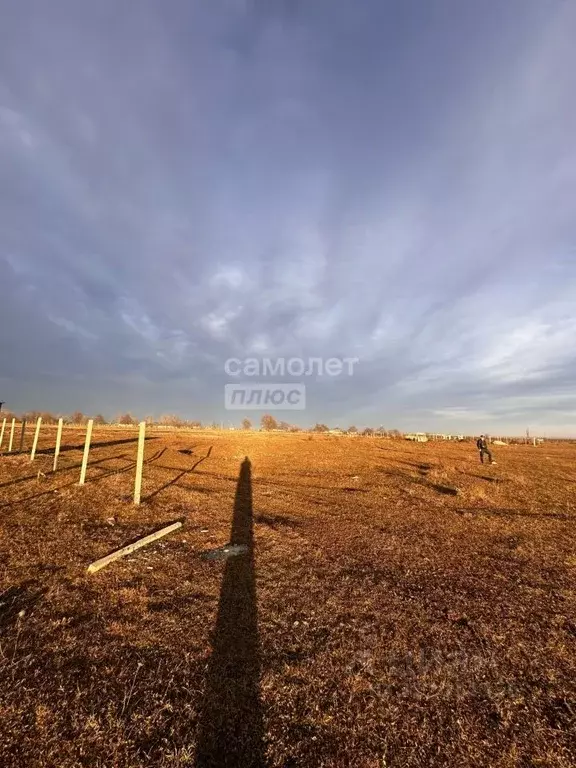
{"x":400,"y":605}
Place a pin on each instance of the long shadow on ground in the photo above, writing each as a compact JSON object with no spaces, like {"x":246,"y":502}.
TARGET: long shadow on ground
{"x":495,"y":512}
{"x":101,"y":444}
{"x":447,"y":490}
{"x":106,"y":473}
{"x":61,"y":470}
{"x":181,"y":474}
{"x":230,"y":716}
{"x":66,"y":448}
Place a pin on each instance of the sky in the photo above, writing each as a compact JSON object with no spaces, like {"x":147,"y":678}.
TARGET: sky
{"x":186,"y":182}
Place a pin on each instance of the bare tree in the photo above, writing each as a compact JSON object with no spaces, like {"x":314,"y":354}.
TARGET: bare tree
{"x":246,"y":424}
{"x":30,"y":416}
{"x":171,"y":420}
{"x":126,"y":418}
{"x":99,"y":419}
{"x":268,"y":422}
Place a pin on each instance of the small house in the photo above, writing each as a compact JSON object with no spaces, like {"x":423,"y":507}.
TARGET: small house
{"x":417,"y":437}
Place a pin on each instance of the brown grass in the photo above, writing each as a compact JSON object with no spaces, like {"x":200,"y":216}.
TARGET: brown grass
{"x":399,"y":605}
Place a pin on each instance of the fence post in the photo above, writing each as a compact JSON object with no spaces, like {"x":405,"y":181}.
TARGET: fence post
{"x":2,"y":432}
{"x":11,"y":435}
{"x":21,"y":449}
{"x":139,"y":462}
{"x":57,"y":449}
{"x":86,"y":451}
{"x":36,"y":436}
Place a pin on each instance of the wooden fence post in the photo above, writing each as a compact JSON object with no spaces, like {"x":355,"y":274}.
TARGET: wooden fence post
{"x":2,"y":432}
{"x":22,"y":433}
{"x":86,"y":451}
{"x":139,"y":462}
{"x":57,"y":449}
{"x":11,"y":435}
{"x":36,"y":436}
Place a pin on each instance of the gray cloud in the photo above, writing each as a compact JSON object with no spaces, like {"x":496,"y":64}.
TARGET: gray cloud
{"x":393,"y":182}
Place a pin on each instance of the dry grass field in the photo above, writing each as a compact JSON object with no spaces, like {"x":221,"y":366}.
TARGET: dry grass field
{"x":398,"y":605}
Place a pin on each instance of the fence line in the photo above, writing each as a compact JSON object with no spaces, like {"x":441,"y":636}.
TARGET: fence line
{"x":86,"y":453}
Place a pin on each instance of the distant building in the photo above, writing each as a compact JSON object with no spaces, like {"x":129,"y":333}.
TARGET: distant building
{"x":417,"y":437}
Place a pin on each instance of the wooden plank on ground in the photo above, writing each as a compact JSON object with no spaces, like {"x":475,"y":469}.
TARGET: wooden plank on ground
{"x":104,"y":561}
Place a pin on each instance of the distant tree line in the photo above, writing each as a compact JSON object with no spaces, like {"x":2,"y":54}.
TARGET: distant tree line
{"x":268,"y":423}
{"x":78,"y":418}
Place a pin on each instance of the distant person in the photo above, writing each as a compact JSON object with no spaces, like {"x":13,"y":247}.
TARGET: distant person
{"x":482,"y":445}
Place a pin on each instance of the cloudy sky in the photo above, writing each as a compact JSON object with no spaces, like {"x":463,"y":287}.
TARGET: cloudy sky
{"x":194,"y":180}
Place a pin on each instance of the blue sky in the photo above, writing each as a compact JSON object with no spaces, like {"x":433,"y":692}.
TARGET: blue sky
{"x":392,"y":180}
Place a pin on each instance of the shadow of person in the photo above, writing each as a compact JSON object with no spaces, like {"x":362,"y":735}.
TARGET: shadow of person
{"x":230,"y":729}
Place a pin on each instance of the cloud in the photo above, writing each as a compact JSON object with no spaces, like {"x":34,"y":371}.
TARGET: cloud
{"x":14,"y":128}
{"x":239,"y":179}
{"x":218,"y":325}
{"x":72,"y":328}
{"x":230,"y":276}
